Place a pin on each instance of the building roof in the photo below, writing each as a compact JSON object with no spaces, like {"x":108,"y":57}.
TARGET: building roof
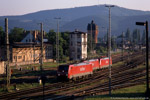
{"x":77,"y":32}
{"x":94,"y":26}
{"x":26,"y":45}
{"x":33,"y":36}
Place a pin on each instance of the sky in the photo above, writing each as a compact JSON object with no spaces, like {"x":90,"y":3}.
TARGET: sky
{"x":20,"y":7}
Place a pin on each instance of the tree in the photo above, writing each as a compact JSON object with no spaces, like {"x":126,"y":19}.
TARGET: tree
{"x":128,"y":35}
{"x":65,"y":36}
{"x":136,"y":38}
{"x":51,"y":35}
{"x":113,"y":42}
{"x":2,"y":36}
{"x":144,"y":38}
{"x":16,"y":35}
{"x":63,"y":43}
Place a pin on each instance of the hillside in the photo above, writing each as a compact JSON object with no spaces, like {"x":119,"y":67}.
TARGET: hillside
{"x":78,"y":18}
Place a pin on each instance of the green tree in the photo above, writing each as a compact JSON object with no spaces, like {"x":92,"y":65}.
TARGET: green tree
{"x":113,"y":42}
{"x":16,"y":35}
{"x":51,"y":35}
{"x":136,"y":36}
{"x":144,"y":37}
{"x":128,"y":35}
{"x":63,"y":43}
{"x":2,"y":36}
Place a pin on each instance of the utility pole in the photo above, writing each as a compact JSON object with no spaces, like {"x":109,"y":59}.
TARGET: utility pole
{"x":122,"y":45}
{"x":147,"y":61}
{"x":34,"y":52}
{"x":147,"y":55}
{"x":43,"y":78}
{"x":57,"y":40}
{"x":41,"y":63}
{"x":109,"y":43}
{"x":91,"y":40}
{"x":7,"y":54}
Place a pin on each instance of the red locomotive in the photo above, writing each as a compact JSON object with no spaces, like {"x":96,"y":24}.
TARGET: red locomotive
{"x":104,"y":62}
{"x":74,"y":71}
{"x":94,"y":62}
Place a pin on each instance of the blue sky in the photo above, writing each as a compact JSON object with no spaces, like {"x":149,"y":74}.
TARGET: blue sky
{"x":20,"y":7}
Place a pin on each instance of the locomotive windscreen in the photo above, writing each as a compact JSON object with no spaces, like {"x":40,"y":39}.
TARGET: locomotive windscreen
{"x":63,"y":67}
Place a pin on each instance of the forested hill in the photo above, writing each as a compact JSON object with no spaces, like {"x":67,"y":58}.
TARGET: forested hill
{"x":79,"y":17}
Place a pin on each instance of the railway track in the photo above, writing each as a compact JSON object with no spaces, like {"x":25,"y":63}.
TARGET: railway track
{"x":128,"y":80}
{"x":78,"y":85}
{"x":58,"y":86}
{"x":129,"y":74}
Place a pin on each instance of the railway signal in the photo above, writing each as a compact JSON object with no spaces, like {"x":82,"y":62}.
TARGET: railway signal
{"x":147,"y":53}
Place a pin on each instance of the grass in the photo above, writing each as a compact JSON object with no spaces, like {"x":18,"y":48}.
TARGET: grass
{"x":118,"y":64}
{"x":26,"y":85}
{"x":19,"y":87}
{"x":130,"y":93}
{"x":45,"y":65}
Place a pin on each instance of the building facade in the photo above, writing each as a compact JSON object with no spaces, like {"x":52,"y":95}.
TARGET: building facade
{"x":2,"y":69}
{"x":92,"y":28}
{"x":28,"y":51}
{"x":78,"y":45}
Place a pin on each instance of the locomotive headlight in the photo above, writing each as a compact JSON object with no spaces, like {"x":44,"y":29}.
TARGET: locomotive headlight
{"x":58,"y":74}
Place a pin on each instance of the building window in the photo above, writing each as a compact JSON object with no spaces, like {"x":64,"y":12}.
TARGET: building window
{"x":79,"y":50}
{"x":79,"y":43}
{"x":78,"y":36}
{"x":78,"y":56}
{"x":26,"y":40}
{"x":15,"y":57}
{"x":19,"y":57}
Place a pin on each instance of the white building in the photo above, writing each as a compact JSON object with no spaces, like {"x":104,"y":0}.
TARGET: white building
{"x":78,"y":45}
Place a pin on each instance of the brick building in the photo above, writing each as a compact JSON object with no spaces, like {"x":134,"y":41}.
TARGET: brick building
{"x":93,"y":28}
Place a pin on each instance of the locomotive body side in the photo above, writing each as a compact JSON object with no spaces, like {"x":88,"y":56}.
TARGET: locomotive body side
{"x":94,"y":62}
{"x":104,"y":62}
{"x":80,"y":70}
